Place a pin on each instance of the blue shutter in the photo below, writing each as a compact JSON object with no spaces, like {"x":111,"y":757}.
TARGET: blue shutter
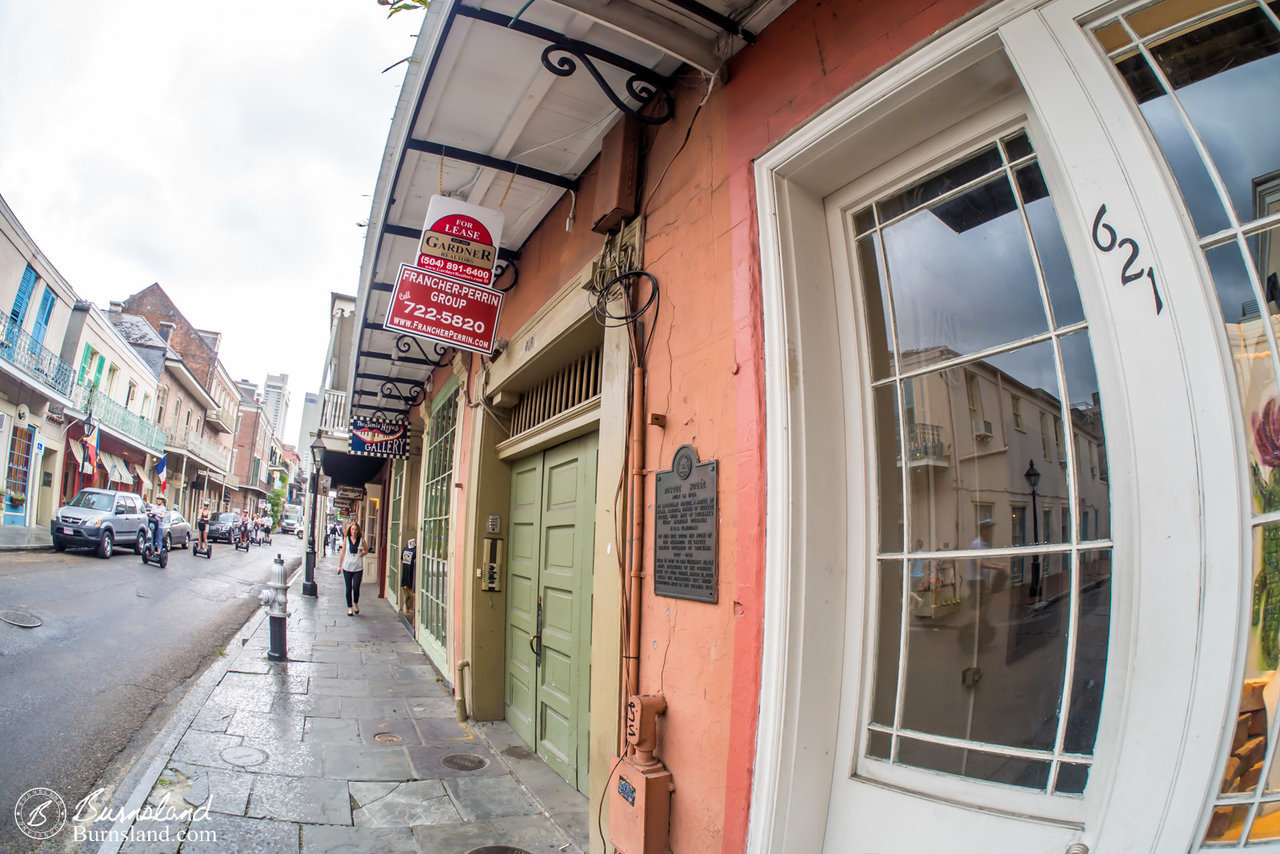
{"x":28,"y":285}
{"x":42,"y":320}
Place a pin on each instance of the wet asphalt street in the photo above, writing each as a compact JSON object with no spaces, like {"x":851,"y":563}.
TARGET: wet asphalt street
{"x":118,"y":637}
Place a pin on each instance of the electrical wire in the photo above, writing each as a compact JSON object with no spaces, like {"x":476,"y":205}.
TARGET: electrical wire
{"x":687,"y":131}
{"x":610,"y":319}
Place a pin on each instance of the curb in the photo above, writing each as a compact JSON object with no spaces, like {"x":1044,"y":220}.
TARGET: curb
{"x":31,"y":548}
{"x":158,"y":753}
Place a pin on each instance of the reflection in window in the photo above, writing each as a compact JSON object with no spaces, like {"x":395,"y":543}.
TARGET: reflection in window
{"x":1205,"y":77}
{"x":967,"y":274}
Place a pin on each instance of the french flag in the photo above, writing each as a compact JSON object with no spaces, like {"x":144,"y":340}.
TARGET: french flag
{"x":160,"y":473}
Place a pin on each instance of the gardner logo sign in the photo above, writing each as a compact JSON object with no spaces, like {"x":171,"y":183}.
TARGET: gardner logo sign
{"x":40,"y":813}
{"x":460,"y":240}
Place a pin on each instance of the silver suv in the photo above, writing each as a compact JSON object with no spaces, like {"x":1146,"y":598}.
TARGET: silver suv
{"x":98,"y":519}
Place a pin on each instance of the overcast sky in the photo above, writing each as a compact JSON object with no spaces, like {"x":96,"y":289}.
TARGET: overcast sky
{"x":227,"y":151}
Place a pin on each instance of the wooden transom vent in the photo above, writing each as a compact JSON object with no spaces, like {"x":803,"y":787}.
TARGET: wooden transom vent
{"x":573,"y":385}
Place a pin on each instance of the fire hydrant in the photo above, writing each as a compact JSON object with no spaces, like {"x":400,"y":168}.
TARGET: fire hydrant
{"x":275,"y":598}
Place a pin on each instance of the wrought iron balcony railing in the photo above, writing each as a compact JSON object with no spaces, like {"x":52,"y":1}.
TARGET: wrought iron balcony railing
{"x":19,"y":348}
{"x":924,"y":442}
{"x":218,"y":456}
{"x":107,"y":411}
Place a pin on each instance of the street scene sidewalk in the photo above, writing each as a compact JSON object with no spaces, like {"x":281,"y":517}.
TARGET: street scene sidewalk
{"x":15,"y":538}
{"x":352,"y":744}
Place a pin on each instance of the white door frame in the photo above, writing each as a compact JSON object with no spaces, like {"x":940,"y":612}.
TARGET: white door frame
{"x":1156,"y":762}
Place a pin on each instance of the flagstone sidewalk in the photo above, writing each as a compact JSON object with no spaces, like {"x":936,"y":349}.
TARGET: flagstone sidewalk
{"x":351,"y":745}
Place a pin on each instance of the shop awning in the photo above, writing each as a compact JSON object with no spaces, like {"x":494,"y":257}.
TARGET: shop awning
{"x":142,"y":476}
{"x":77,"y":450}
{"x":117,"y":470}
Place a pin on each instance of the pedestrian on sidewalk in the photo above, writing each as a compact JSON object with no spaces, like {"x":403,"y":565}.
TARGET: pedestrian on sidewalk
{"x":351,"y":565}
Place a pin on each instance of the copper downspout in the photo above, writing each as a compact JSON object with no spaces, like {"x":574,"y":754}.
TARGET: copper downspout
{"x":635,"y":553}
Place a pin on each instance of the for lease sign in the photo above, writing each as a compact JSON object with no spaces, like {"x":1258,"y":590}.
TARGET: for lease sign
{"x":460,"y":240}
{"x":450,"y":312}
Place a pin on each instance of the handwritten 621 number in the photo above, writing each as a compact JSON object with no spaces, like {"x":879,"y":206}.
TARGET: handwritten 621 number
{"x":1128,"y":273}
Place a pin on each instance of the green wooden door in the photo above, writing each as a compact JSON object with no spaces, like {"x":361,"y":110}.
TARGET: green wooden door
{"x":549,"y":603}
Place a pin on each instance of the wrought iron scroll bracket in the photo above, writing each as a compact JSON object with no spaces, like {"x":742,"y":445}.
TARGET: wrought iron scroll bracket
{"x":515,"y":276}
{"x":406,"y":343}
{"x":642,"y":87}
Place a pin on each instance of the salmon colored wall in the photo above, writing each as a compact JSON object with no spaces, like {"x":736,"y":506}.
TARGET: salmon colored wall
{"x":706,"y":376}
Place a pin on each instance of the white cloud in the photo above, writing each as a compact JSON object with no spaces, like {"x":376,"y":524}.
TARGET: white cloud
{"x":225,"y":150}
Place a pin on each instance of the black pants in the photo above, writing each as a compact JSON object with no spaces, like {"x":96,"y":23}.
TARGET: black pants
{"x":352,"y":581}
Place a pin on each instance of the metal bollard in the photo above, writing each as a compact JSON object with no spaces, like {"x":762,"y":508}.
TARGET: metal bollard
{"x":275,"y":598}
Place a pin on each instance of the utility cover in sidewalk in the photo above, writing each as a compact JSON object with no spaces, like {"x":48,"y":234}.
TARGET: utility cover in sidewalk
{"x":244,"y":756}
{"x":20,"y":618}
{"x":464,"y":762}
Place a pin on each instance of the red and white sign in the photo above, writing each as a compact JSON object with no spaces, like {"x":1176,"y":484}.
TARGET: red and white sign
{"x":460,"y":240}
{"x":450,"y":312}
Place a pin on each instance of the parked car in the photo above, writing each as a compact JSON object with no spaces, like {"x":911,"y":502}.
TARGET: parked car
{"x":220,"y":527}
{"x":99,"y":519}
{"x":177,"y":530}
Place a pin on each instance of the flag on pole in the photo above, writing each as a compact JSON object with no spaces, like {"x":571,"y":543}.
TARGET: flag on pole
{"x":160,"y":473}
{"x":91,"y":445}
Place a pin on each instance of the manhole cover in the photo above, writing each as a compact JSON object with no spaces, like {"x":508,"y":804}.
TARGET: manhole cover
{"x":244,"y":756}
{"x":20,"y":618}
{"x":468,"y":762}
{"x":386,"y":736}
{"x":497,"y":849}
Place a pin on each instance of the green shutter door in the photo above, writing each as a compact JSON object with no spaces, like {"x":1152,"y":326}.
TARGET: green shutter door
{"x":550,"y":563}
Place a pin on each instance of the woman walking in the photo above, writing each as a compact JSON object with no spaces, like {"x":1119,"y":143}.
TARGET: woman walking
{"x":351,"y":565}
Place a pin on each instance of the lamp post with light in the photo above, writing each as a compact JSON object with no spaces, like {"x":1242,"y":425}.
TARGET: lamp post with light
{"x":317,"y":457}
{"x":1033,"y":480}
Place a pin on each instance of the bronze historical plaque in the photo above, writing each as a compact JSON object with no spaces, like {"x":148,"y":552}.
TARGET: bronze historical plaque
{"x":684,"y":529}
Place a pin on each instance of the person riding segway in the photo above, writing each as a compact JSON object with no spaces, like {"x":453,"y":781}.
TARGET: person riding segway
{"x":202,"y":546}
{"x":243,"y":539}
{"x":153,"y":549}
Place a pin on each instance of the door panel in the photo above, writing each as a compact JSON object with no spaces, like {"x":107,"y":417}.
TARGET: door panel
{"x":552,"y":533}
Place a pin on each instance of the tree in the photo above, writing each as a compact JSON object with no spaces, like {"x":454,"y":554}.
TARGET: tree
{"x":276,"y":499}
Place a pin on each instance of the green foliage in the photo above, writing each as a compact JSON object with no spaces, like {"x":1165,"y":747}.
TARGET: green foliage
{"x":402,"y":5}
{"x":276,"y":500}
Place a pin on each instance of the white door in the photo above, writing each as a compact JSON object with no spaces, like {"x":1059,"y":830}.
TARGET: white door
{"x":1019,"y":535}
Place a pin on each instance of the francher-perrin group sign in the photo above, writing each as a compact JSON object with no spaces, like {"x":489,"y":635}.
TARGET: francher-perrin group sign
{"x":448,"y":297}
{"x":684,"y":530}
{"x":379,"y":437}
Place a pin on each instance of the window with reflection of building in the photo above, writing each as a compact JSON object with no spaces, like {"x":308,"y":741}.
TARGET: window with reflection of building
{"x":992,"y":632}
{"x":1206,"y":78}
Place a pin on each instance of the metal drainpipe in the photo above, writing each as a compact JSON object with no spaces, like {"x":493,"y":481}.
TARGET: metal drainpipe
{"x":460,"y":702}
{"x":635,"y":552}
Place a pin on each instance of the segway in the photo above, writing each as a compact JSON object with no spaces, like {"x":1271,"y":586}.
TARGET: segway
{"x":206,"y":552}
{"x":240,"y":540}
{"x":151,"y":552}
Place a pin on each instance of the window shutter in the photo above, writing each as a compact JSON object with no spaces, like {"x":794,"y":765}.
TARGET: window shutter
{"x":28,"y":284}
{"x":42,"y":319}
{"x":84,"y":364}
{"x":97,"y":374}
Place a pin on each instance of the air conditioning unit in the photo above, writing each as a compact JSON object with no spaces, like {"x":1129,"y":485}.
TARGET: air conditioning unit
{"x":981,"y":429}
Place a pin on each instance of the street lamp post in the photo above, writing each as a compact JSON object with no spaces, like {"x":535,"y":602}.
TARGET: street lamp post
{"x":1033,"y":480}
{"x":317,"y":456}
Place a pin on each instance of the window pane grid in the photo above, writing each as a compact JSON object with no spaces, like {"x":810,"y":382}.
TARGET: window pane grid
{"x":435,"y":521}
{"x":1045,"y":766}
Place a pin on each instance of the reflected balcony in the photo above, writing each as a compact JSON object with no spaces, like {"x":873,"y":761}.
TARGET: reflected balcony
{"x":925,"y":448}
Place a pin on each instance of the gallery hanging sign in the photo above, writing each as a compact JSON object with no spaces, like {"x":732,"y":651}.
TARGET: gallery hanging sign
{"x":379,"y":437}
{"x":460,"y":240}
{"x":444,"y":310}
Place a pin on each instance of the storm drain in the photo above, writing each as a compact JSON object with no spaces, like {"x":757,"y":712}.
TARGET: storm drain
{"x":497,"y":849}
{"x":386,"y":737}
{"x":469,"y":762}
{"x":243,"y":756}
{"x":20,"y":618}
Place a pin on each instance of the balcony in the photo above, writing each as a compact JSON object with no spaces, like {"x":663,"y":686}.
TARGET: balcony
{"x":925,"y":446}
{"x":220,"y":419}
{"x":20,"y":349}
{"x":333,"y":411}
{"x":106,"y":411}
{"x":193,"y":444}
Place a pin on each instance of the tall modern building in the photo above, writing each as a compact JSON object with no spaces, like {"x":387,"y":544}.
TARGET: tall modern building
{"x":275,"y":401}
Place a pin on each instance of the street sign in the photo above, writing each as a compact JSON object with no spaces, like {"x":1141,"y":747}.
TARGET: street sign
{"x":460,"y":240}
{"x":444,"y":310}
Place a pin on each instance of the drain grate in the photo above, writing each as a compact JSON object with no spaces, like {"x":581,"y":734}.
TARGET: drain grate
{"x":20,"y":618}
{"x":386,"y":737}
{"x":464,"y":762}
{"x":497,"y":849}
